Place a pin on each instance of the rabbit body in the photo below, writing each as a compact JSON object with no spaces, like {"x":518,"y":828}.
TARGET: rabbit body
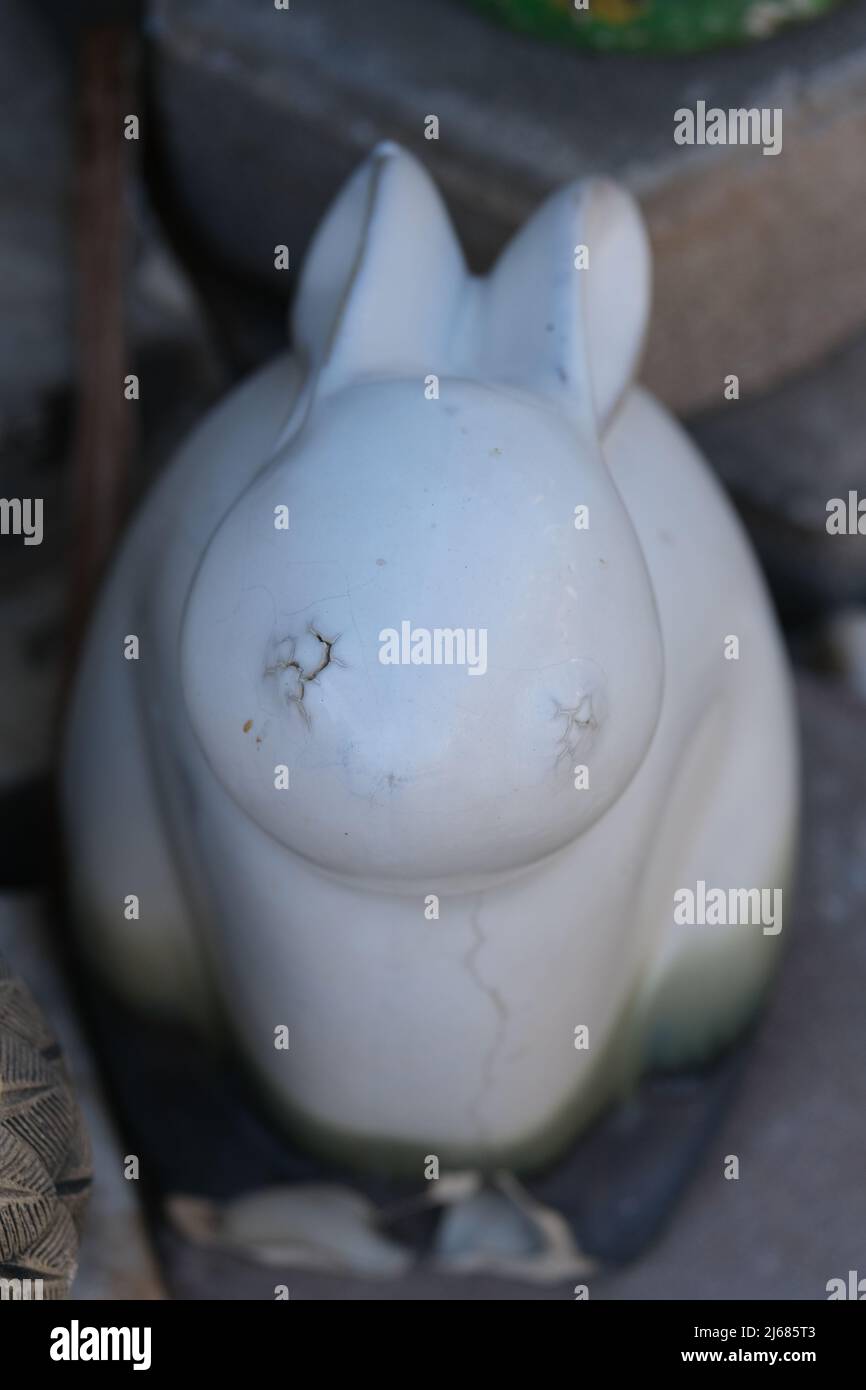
{"x":434,"y":900}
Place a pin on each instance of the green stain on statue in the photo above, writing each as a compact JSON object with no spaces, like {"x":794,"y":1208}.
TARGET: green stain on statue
{"x":654,"y":26}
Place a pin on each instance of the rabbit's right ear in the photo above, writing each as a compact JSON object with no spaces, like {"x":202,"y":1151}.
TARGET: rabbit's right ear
{"x":382,"y":282}
{"x":567,"y":303}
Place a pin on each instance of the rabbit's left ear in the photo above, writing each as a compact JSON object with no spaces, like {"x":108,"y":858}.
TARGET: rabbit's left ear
{"x":567,"y":302}
{"x":384,"y":278}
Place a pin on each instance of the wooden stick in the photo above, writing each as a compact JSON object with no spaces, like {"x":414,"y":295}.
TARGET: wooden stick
{"x":104,"y":425}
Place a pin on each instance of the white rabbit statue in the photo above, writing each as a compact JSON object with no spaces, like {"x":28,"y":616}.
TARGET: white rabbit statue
{"x":431,"y":676}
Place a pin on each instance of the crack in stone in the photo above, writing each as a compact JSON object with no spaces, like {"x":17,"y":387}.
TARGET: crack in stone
{"x":304,"y":677}
{"x":470,"y":960}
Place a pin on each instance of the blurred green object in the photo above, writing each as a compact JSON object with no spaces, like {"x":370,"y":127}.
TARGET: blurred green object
{"x":654,"y":26}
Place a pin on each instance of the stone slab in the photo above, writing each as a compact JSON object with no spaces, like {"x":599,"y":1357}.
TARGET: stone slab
{"x":260,"y":114}
{"x":783,"y":456}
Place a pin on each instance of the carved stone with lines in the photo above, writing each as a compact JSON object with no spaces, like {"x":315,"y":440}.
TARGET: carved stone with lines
{"x":45,"y":1168}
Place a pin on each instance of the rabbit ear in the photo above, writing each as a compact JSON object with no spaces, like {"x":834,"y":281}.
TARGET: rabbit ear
{"x":381,"y":283}
{"x":565,"y":321}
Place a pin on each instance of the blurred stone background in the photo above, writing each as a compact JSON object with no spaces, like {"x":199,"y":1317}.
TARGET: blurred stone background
{"x":250,"y":119}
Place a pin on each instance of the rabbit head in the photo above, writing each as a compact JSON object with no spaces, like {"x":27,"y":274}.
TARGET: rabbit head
{"x":446,"y":662}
